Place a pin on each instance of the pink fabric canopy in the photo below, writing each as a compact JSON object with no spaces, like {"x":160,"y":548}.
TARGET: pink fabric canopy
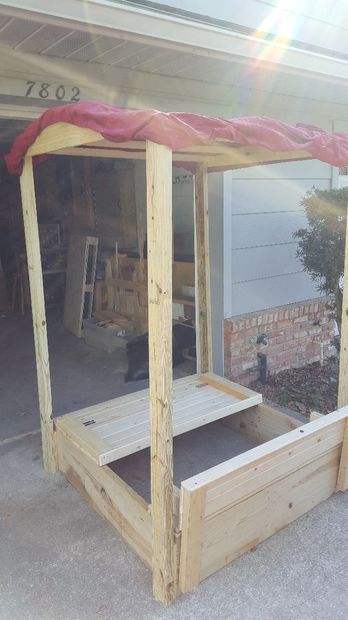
{"x":179,"y":130}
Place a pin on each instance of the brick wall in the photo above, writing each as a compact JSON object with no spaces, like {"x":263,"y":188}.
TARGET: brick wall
{"x":295,"y":335}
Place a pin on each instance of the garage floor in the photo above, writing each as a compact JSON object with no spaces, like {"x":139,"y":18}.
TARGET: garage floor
{"x":81,"y":375}
{"x":61,"y":561}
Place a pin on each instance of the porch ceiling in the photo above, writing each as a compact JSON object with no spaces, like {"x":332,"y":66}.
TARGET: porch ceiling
{"x":35,"y":37}
{"x":214,"y":57}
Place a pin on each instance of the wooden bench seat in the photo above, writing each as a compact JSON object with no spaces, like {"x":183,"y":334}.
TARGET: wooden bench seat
{"x":113,"y":429}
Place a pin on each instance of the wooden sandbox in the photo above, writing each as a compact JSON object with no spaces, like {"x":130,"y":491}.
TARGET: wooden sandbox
{"x":184,"y":535}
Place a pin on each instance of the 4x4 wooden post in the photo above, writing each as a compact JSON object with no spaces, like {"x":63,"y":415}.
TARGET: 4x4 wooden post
{"x":31,"y":231}
{"x":202,"y":269}
{"x":160,"y":255}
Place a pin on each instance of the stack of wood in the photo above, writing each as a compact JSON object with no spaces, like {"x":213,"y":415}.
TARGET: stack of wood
{"x":123,"y":292}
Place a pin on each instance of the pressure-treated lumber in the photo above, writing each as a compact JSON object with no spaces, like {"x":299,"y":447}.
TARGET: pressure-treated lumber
{"x":82,"y":259}
{"x":61,"y":135}
{"x":109,"y":495}
{"x":160,"y":256}
{"x":116,"y":153}
{"x":261,"y":423}
{"x":32,"y":241}
{"x":250,"y":156}
{"x":116,"y":428}
{"x":254,"y":494}
{"x":203,"y":308}
{"x":342,"y":398}
{"x":276,"y":448}
{"x":342,"y":478}
{"x":267,"y":511}
{"x":192,"y":511}
{"x":315,"y":415}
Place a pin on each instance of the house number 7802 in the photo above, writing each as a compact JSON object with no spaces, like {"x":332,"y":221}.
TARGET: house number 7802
{"x":59,"y":92}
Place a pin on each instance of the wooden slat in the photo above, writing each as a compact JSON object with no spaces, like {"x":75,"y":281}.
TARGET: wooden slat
{"x":203,"y":308}
{"x":87,"y":442}
{"x":222,"y":385}
{"x":342,"y":398}
{"x":261,"y":473}
{"x":61,"y":135}
{"x":267,"y":451}
{"x":342,"y":478}
{"x":122,"y":402}
{"x":159,"y":243}
{"x":136,"y":421}
{"x":315,"y":415}
{"x":109,"y":495}
{"x":191,"y":416}
{"x":117,"y":153}
{"x":76,"y":285}
{"x":244,"y":157}
{"x":121,"y":426}
{"x":32,"y":241}
{"x":262,"y":423}
{"x":113,"y":153}
{"x":192,"y":517}
{"x":241,"y":527}
{"x":253,"y":495}
{"x":130,"y":144}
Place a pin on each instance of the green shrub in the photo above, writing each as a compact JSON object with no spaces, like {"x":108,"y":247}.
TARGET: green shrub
{"x":321,"y":244}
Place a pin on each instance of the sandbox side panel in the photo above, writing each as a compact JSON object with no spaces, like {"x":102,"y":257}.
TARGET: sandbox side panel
{"x":241,"y":527}
{"x":109,"y":495}
{"x":255,"y":496}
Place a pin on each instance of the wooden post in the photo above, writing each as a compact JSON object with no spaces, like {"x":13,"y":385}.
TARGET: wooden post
{"x":342,"y":478}
{"x":343,"y":373}
{"x":159,"y":245}
{"x":31,"y":231}
{"x":202,"y":270}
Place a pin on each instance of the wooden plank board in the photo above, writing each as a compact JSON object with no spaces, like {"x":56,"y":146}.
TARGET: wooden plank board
{"x":109,"y":495}
{"x":192,"y":522}
{"x":111,"y":430}
{"x":262,"y":423}
{"x":240,"y":528}
{"x":77,"y":286}
{"x":202,"y":269}
{"x":267,"y":452}
{"x":60,"y":135}
{"x":159,"y":263}
{"x":117,"y":153}
{"x":342,"y":478}
{"x":253,"y":495}
{"x":247,"y":481}
{"x":32,"y":241}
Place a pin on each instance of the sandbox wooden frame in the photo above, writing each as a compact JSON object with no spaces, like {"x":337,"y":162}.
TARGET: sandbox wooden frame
{"x":186,"y":535}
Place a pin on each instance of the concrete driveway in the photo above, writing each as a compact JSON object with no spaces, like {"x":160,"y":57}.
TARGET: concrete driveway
{"x":60,"y":561}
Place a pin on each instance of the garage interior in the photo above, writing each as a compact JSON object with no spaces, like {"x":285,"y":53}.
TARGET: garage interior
{"x":76,"y":196}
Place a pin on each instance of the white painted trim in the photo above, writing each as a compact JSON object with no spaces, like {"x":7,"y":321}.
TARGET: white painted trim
{"x":178,"y":33}
{"x":227,"y":245}
{"x":25,"y":112}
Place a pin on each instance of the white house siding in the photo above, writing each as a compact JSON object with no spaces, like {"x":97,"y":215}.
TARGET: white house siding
{"x":262,"y":210}
{"x":319,"y":23}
